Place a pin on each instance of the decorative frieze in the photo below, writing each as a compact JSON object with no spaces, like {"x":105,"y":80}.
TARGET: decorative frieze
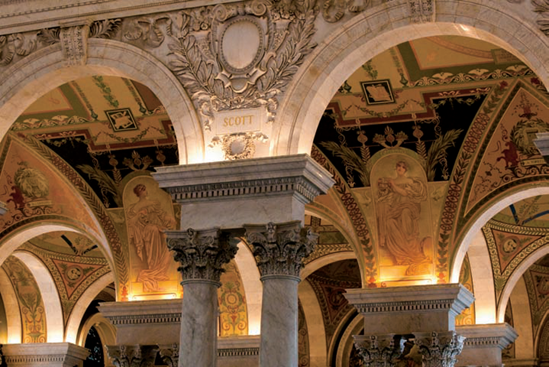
{"x":279,"y":249}
{"x":439,"y":349}
{"x":237,"y":352}
{"x":379,"y":350}
{"x":132,"y":355}
{"x":334,"y":10}
{"x":144,"y":319}
{"x":201,"y":254}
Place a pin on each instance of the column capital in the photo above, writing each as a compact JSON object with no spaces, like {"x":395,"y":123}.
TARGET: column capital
{"x":169,"y":354}
{"x":379,"y":350}
{"x":279,"y":249}
{"x":439,"y":348}
{"x":132,"y":355}
{"x":201,"y":254}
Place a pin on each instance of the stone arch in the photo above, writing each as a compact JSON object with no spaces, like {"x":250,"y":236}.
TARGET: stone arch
{"x":385,"y":26}
{"x":52,"y":303}
{"x":106,"y":331}
{"x":15,"y":239}
{"x":522,"y":322}
{"x":11,"y":305}
{"x":30,"y":78}
{"x":315,"y":324}
{"x":484,"y":216}
{"x":82,"y":304}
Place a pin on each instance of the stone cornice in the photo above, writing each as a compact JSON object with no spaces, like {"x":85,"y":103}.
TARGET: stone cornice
{"x":439,"y":298}
{"x":487,"y":336}
{"x":142,"y":312}
{"x":297,"y":174}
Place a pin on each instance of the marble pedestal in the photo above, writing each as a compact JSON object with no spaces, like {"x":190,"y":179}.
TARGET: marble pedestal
{"x":44,"y":355}
{"x":144,"y":322}
{"x":484,"y":344}
{"x":425,"y":312}
{"x":240,"y":351}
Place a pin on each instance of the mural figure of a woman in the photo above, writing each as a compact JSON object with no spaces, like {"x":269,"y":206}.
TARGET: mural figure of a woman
{"x":147,"y":221}
{"x":399,"y":209}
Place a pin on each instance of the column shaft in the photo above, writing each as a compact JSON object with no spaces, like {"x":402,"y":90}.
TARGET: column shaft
{"x":279,"y":322}
{"x":198,"y":342}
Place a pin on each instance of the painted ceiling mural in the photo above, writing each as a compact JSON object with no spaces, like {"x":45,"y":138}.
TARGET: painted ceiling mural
{"x":420,"y":139}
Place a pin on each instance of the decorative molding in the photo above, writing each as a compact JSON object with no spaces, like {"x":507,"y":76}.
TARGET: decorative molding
{"x":215,"y":81}
{"x":74,"y":43}
{"x":379,"y":350}
{"x":238,"y":145}
{"x":260,"y":187}
{"x":327,"y":249}
{"x":169,"y":318}
{"x":132,"y":355}
{"x":422,"y":10}
{"x":405,"y":306}
{"x":334,"y":10}
{"x":439,"y":349}
{"x":201,"y":254}
{"x":279,"y":249}
{"x":237,"y":352}
{"x":542,"y":7}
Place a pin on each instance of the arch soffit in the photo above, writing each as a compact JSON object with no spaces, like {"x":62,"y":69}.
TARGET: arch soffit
{"x":31,"y":77}
{"x":382,"y":27}
{"x":10,"y":243}
{"x":106,"y":331}
{"x":11,"y":306}
{"x":50,"y":296}
{"x":75,"y":318}
{"x":475,"y":225}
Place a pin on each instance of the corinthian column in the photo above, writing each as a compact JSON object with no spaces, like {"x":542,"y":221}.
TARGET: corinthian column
{"x":439,"y":349}
{"x":279,"y":251}
{"x":201,"y":255}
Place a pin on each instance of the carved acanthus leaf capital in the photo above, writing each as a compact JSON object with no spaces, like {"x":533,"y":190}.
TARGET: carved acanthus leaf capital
{"x":201,"y":254}
{"x":379,"y":350}
{"x":279,"y":249}
{"x":170,"y":354}
{"x":439,"y":349}
{"x":132,"y":355}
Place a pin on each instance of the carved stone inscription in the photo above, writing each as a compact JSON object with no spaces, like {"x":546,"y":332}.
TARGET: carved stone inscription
{"x":240,"y":121}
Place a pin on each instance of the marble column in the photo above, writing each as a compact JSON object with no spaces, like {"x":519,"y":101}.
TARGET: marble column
{"x":279,"y":250}
{"x":201,"y":256}
{"x":427,"y":312}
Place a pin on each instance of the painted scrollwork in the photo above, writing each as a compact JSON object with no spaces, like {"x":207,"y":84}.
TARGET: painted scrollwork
{"x":280,"y":249}
{"x":334,"y":10}
{"x":379,"y":350}
{"x":280,"y":32}
{"x":201,"y":254}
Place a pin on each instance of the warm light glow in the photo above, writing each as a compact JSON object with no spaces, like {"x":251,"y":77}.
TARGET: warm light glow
{"x":149,"y":297}
{"x":465,"y":28}
{"x":254,"y":328}
{"x":214,"y":154}
{"x":484,"y":316}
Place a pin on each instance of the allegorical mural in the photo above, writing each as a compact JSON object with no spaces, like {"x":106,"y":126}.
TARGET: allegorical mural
{"x":31,"y":304}
{"x":403,"y":217}
{"x":530,"y":212}
{"x":149,"y":212}
{"x":433,"y":100}
{"x":536,"y":279}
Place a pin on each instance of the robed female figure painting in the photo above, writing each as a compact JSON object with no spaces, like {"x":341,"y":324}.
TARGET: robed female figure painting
{"x":147,"y":221}
{"x":398,"y":218}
